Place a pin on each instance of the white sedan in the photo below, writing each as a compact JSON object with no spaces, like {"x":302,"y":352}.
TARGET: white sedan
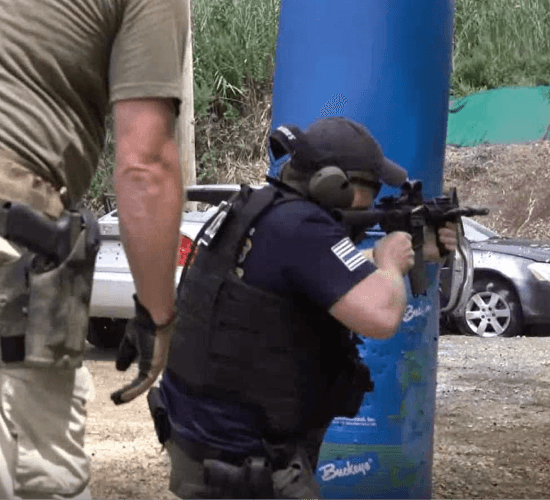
{"x":111,"y":303}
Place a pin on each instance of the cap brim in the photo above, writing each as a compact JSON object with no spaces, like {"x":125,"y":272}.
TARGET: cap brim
{"x":393,"y":174}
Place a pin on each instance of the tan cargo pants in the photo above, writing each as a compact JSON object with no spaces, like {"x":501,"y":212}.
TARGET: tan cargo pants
{"x":42,"y":424}
{"x":42,"y":411}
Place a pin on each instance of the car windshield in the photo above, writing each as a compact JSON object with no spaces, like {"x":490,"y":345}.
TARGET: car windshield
{"x":474,"y":231}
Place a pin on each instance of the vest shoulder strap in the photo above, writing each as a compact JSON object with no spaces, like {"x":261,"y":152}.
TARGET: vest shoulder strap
{"x":245,"y":209}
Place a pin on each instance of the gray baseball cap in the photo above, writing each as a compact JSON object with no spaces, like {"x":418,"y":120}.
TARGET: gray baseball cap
{"x":344,"y":143}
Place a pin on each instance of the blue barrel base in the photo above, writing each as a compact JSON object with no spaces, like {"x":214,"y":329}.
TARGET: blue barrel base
{"x":386,"y":450}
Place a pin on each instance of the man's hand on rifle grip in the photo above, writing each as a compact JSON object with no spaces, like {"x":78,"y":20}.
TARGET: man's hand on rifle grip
{"x":394,"y":251}
{"x":447,"y":236}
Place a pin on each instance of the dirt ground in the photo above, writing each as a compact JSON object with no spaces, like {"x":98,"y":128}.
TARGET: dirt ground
{"x":127,"y":461}
{"x":511,"y":180}
{"x":492,"y":419}
{"x":493,"y":396}
{"x":491,"y":428}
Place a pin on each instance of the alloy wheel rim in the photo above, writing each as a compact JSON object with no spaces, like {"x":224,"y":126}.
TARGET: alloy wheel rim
{"x":487,"y":314}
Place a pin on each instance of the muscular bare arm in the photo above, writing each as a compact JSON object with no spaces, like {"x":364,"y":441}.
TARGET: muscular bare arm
{"x":375,"y":306}
{"x":150,"y":198}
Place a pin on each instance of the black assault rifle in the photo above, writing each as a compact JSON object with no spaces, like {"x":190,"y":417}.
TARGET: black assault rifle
{"x":410,"y":212}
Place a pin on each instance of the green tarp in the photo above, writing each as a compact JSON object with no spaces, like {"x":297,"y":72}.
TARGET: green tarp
{"x":500,"y":116}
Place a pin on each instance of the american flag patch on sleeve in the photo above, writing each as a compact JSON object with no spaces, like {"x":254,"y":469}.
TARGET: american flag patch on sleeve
{"x":349,"y":254}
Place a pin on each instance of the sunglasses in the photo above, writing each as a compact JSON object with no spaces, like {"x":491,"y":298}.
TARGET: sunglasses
{"x":375,"y":185}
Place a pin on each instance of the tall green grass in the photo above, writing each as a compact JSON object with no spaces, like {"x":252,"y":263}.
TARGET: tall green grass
{"x":501,"y":42}
{"x":497,"y":42}
{"x":233,"y":52}
{"x":233,"y":49}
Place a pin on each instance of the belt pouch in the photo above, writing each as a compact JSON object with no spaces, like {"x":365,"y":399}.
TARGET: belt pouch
{"x":14,"y":303}
{"x":59,"y":305}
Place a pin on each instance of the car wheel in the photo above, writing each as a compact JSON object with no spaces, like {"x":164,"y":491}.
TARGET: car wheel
{"x":105,"y":333}
{"x":493,"y":310}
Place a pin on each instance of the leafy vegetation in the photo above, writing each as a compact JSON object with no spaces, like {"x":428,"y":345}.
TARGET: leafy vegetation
{"x":501,"y":42}
{"x":234,"y":50}
{"x":497,"y":42}
{"x":234,"y":46}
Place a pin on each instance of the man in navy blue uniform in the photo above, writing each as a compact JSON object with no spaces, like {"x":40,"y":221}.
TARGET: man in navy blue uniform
{"x":263,"y":358}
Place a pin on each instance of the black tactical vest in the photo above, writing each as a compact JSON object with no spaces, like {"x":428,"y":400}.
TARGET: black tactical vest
{"x":287,"y":359}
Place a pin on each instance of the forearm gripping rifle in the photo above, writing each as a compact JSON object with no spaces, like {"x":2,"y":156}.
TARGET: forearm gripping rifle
{"x":410,"y":212}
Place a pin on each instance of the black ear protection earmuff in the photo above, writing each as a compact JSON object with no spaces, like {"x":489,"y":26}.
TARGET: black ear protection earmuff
{"x":329,"y":186}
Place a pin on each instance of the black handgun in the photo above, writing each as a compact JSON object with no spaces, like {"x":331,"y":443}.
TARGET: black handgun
{"x":52,"y":239}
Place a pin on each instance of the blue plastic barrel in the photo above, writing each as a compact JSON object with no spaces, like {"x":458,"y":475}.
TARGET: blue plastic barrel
{"x":387,"y":65}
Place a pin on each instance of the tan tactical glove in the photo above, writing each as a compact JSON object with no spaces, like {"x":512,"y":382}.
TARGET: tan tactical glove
{"x":151,"y":343}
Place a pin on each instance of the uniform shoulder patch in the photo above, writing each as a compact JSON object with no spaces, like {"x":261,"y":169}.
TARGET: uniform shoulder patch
{"x":348,"y":254}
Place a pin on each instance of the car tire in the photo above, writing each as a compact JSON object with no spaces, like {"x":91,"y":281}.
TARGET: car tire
{"x":106,"y":333}
{"x":493,"y":310}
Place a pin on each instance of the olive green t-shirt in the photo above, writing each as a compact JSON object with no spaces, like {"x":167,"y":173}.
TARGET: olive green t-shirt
{"x":63,"y":62}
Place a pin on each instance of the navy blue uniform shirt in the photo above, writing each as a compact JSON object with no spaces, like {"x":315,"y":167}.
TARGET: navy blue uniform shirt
{"x":297,"y":249}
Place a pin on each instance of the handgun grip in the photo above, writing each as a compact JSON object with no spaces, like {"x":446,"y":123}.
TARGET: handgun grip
{"x":31,"y":229}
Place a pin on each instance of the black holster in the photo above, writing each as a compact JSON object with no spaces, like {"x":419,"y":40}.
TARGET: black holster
{"x":285,"y":472}
{"x":160,"y":415}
